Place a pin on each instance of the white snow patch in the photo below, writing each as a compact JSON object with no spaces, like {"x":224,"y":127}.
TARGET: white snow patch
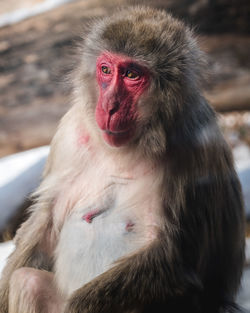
{"x":5,"y":250}
{"x":248,"y":253}
{"x":12,"y":166}
{"x":20,"y":176}
{"x":242,"y":157}
{"x":23,"y":13}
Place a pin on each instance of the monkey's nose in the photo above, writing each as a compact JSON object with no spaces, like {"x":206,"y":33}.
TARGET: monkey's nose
{"x":113,"y":107}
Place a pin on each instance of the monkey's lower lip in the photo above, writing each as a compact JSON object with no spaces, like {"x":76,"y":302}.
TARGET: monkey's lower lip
{"x":117,"y":138}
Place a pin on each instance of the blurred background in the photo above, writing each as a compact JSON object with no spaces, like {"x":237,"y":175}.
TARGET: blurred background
{"x":36,"y":39}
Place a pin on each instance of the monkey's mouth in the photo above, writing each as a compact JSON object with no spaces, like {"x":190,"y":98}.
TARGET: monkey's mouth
{"x":116,"y":133}
{"x":117,"y":138}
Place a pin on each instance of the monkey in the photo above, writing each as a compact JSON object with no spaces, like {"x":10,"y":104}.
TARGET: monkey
{"x":140,"y":208}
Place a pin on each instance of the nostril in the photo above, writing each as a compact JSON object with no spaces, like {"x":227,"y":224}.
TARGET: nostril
{"x":112,"y":111}
{"x":113,"y":108}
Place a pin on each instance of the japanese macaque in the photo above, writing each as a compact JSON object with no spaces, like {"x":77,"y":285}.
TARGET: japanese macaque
{"x":140,"y":208}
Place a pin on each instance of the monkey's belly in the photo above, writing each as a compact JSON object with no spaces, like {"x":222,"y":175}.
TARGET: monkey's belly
{"x":88,"y":247}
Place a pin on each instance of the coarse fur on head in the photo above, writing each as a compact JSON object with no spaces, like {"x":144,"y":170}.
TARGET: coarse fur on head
{"x":167,"y":48}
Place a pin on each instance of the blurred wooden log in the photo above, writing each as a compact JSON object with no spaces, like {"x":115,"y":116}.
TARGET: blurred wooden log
{"x":233,"y":95}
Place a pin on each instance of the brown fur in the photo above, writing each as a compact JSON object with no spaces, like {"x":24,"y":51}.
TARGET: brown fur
{"x":195,"y":264}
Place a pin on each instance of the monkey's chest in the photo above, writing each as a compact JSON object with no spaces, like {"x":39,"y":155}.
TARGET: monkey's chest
{"x":93,"y":238}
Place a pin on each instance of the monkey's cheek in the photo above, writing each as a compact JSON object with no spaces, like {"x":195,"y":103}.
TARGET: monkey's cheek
{"x":117,"y":140}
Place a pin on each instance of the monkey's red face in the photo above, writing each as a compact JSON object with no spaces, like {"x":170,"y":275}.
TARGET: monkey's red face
{"x":122,"y":82}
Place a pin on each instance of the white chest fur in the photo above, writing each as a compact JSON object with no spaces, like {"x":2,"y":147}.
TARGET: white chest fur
{"x":128,"y":210}
{"x":86,"y":249}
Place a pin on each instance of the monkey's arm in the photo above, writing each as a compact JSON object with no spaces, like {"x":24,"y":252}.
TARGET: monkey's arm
{"x":144,"y":278}
{"x":27,"y":252}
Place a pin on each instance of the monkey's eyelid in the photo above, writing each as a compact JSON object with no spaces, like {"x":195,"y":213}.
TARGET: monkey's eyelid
{"x":134,"y":74}
{"x":105,"y":69}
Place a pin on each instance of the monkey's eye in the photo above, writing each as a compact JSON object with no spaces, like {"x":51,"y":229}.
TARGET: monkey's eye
{"x":132,"y":74}
{"x":106,"y":69}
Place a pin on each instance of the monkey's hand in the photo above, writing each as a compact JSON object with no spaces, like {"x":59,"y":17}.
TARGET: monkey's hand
{"x":133,"y":283}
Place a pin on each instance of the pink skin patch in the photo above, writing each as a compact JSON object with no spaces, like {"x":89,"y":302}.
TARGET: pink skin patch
{"x":121,"y":82}
{"x":82,"y":137}
{"x":91,"y":215}
{"x":130,"y":226}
